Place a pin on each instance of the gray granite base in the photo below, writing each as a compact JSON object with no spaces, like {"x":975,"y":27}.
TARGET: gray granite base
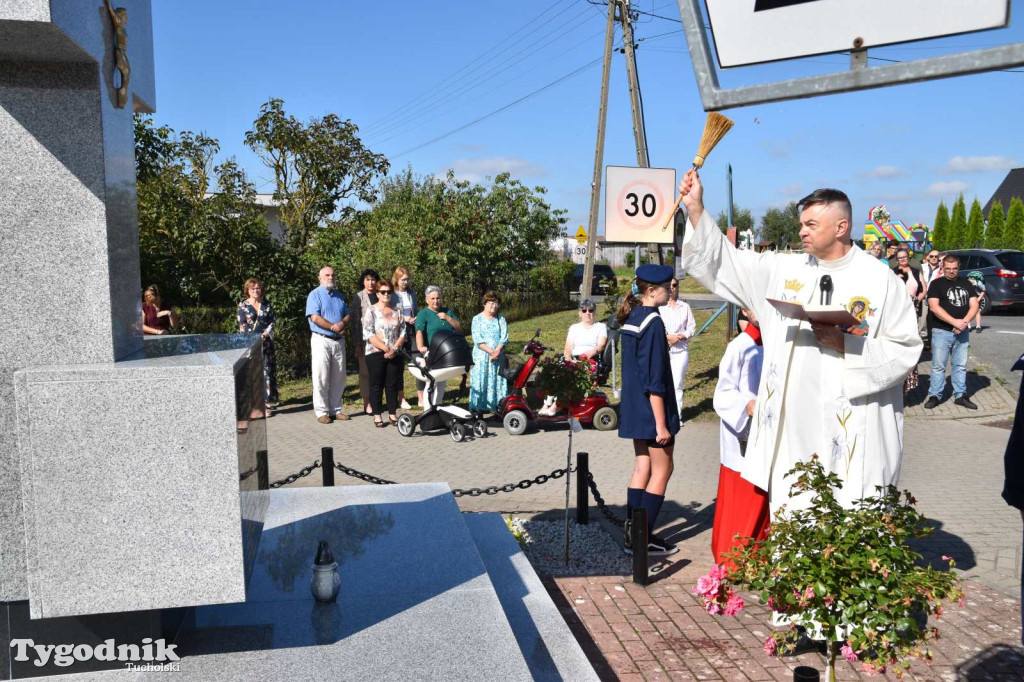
{"x":415,"y":602}
{"x":427,"y":593}
{"x":550,"y":648}
{"x":130,"y":477}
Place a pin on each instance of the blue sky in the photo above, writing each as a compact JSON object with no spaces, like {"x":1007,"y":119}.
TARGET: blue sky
{"x":410,"y":72}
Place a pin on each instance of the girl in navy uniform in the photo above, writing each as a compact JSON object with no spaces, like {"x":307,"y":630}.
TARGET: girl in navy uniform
{"x":648,"y":413}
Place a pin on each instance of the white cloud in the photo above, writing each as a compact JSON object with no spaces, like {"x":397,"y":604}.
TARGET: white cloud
{"x":883,"y":172}
{"x":791,"y":191}
{"x":978,"y":164}
{"x":476,"y":170}
{"x":945,"y":188}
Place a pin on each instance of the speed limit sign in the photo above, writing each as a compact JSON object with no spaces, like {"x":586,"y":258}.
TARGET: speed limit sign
{"x":638,"y":203}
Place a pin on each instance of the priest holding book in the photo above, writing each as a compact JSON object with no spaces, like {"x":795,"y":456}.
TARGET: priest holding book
{"x":825,"y":389}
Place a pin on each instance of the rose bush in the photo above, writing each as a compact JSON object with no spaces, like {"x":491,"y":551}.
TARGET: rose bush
{"x":846,"y":575}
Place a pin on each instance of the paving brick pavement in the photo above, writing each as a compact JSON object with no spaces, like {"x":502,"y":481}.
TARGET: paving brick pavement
{"x":953,"y":466}
{"x":661,"y":632}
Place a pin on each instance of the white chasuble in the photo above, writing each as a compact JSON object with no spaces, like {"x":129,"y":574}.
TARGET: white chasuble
{"x":845,"y":407}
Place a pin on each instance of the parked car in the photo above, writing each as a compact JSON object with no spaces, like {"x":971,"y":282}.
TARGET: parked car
{"x":603,"y":282}
{"x":1003,"y":272}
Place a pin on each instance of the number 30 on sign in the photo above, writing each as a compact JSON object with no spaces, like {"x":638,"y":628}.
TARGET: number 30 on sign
{"x":637,"y":204}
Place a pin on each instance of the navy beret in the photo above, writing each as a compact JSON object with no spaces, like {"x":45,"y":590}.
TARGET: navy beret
{"x":655,"y":274}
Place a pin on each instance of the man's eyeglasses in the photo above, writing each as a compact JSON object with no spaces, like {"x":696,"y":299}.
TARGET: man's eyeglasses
{"x":586,"y":310}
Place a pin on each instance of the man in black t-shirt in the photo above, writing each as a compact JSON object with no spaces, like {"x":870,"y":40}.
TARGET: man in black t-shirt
{"x":952,"y":303}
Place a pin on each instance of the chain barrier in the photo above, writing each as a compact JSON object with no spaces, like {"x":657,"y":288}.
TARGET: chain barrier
{"x":459,"y":492}
{"x":608,"y":513}
{"x":294,"y":477}
{"x":348,"y":471}
{"x":510,"y":487}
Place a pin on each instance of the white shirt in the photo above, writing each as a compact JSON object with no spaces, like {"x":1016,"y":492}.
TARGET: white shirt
{"x":738,"y":376}
{"x":584,"y":339}
{"x":678,"y":319}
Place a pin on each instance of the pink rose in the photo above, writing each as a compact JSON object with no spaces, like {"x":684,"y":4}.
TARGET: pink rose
{"x":769,"y":646}
{"x":734,"y":605}
{"x":706,"y":586}
{"x":713,"y":608}
{"x":809,"y":593}
{"x":829,"y":600}
{"x":848,"y":653}
{"x":717,"y":572}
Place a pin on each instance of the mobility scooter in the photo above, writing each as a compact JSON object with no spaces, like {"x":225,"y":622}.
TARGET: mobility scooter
{"x":449,"y":357}
{"x":519,"y":409}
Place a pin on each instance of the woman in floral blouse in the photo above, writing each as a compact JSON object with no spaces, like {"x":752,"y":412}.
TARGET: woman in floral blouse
{"x":384,"y":335}
{"x":256,"y":316}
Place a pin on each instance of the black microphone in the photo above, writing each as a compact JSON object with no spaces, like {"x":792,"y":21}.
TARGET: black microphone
{"x":825,"y":297}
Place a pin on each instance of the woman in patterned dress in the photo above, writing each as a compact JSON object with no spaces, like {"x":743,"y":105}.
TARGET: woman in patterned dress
{"x":256,"y":316}
{"x":490,"y":334}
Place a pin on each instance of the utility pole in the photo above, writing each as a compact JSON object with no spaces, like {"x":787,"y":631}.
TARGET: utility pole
{"x":639,"y":130}
{"x":595,"y":185}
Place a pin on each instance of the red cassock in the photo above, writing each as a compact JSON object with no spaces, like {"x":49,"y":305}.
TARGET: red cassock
{"x":741,"y":507}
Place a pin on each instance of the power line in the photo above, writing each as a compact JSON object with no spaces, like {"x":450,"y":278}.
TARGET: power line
{"x":419,"y":120}
{"x":433,"y":89}
{"x":498,"y":111}
{"x":445,"y":96}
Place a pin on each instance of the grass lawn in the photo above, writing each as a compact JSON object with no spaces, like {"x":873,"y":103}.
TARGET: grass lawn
{"x":701,"y":375}
{"x":688,"y":286}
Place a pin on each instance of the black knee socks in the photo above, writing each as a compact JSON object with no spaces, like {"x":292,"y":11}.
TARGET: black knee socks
{"x":652,"y":503}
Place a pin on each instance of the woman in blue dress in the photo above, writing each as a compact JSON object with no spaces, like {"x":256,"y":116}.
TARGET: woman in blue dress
{"x":648,"y":414}
{"x":490,"y":334}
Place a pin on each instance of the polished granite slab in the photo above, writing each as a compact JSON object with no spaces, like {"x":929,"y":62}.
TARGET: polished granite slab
{"x":415,"y":601}
{"x":132,"y":473}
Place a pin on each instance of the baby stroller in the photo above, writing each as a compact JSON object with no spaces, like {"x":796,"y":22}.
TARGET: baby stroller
{"x":449,"y":357}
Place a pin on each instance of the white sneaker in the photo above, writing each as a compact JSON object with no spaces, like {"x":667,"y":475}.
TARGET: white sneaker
{"x":405,"y":404}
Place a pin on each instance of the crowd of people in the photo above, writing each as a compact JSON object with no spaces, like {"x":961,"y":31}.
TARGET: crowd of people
{"x":947,"y":305}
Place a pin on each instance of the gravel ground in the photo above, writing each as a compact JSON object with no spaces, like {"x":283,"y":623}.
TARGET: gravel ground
{"x":591,"y":550}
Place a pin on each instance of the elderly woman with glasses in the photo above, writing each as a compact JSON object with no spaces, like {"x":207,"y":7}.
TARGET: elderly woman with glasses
{"x":586,"y":340}
{"x":429,"y":321}
{"x":679,"y":327}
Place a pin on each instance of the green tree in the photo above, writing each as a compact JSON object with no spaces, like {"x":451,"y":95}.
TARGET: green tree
{"x":742,"y":218}
{"x":201,"y":232}
{"x":940,"y":230}
{"x":446,"y":231}
{"x":781,"y":225}
{"x":957,"y":238}
{"x":975,"y":227}
{"x":317,"y":168}
{"x":994,"y":231}
{"x":1013,"y":233}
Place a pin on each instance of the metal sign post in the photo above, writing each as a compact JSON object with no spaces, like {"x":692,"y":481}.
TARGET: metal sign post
{"x":860,"y":77}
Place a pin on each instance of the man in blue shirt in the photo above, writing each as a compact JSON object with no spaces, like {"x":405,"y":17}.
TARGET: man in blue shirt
{"x":328,"y":318}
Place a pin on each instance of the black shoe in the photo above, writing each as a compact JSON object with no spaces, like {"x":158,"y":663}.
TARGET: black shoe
{"x":658,"y":547}
{"x":964,"y":401}
{"x":931,"y":402}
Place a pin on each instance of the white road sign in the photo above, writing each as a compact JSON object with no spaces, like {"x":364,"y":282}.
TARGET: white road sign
{"x":638,"y":203}
{"x":754,"y":31}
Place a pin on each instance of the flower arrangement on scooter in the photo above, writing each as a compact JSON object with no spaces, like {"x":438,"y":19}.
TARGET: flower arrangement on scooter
{"x":569,"y":381}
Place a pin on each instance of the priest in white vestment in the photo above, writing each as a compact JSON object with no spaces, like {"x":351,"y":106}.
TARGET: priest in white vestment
{"x":834,"y":392}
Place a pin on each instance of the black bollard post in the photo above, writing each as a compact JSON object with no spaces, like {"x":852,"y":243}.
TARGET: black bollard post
{"x":639,"y":532}
{"x":327,"y":465}
{"x":262,"y":470}
{"x":582,"y":492}
{"x":805,"y":673}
